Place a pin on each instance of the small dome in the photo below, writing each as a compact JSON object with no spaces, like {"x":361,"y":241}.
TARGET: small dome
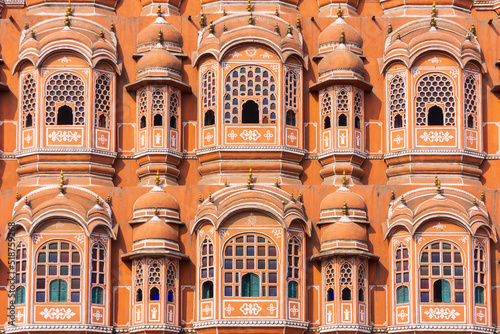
{"x":336,"y":200}
{"x":155,"y":228}
{"x":156,"y":198}
{"x":344,"y":231}
{"x":158,"y":58}
{"x":171,"y":36}
{"x":59,"y":202}
{"x":101,"y":45}
{"x":341,"y":59}
{"x":331,"y":34}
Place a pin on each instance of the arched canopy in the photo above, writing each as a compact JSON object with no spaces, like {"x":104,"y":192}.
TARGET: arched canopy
{"x":412,"y":40}
{"x":269,"y":200}
{"x":82,"y":37}
{"x":420,"y":206}
{"x":79,"y":205}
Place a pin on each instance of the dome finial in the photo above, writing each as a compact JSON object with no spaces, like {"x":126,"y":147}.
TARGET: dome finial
{"x":398,"y":36}
{"x":211,"y":27}
{"x":112,"y":27}
{"x":61,"y":182}
{"x":66,"y":21}
{"x":468,"y":37}
{"x":249,"y":180}
{"x":26,"y":25}
{"x":482,"y":196}
{"x":26,"y":200}
{"x":393,"y":197}
{"x":68,"y":10}
{"x":202,"y":19}
{"x":289,"y":30}
{"x":249,"y":6}
{"x":250,"y":18}
{"x":158,"y":12}
{"x":17,"y":196}
{"x":473,"y":29}
{"x":344,"y":209}
{"x":342,"y":37}
{"x":156,"y":211}
{"x":339,"y":12}
{"x":97,"y":200}
{"x":160,"y":37}
{"x":297,"y":23}
{"x":433,"y":12}
{"x":32,"y":33}
{"x":389,"y":29}
{"x":101,"y":34}
{"x":157,"y":179}
{"x":277,"y":28}
{"x":277,"y":13}
{"x":224,"y":28}
{"x":344,"y":179}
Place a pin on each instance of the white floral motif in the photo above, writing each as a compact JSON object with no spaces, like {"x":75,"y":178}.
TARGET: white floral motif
{"x":207,"y":309}
{"x":439,"y":226}
{"x":271,"y":309}
{"x":292,"y":137}
{"x":268,"y":135}
{"x":275,"y":67}
{"x":223,"y":233}
{"x":398,"y":139}
{"x":97,"y":315}
{"x":463,"y":239}
{"x":442,"y":313}
{"x":402,"y":315}
{"x":419,"y":239}
{"x":226,"y":66}
{"x":79,"y":238}
{"x":102,"y":139}
{"x":252,"y":220}
{"x":265,"y":55}
{"x":229,"y":309}
{"x":249,"y":309}
{"x":407,"y":240}
{"x":37,"y":237}
{"x":232,"y":135}
{"x":209,"y":137}
{"x":68,"y":136}
{"x":415,"y":72}
{"x":436,"y":136}
{"x":250,"y":135}
{"x":362,"y":315}
{"x":454,"y":73}
{"x":294,"y":310}
{"x":211,"y":230}
{"x":277,"y":233}
{"x":395,"y":242}
{"x":19,"y":316}
{"x":154,"y":311}
{"x":435,"y":60}
{"x":235,"y":55}
{"x":28,"y":138}
{"x":480,"y":315}
{"x":64,"y":60}
{"x":251,"y":51}
{"x":57,"y":313}
{"x":346,"y":315}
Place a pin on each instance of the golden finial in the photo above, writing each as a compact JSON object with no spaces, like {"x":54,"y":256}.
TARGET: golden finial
{"x":26,"y":26}
{"x":224,"y":11}
{"x":97,"y":200}
{"x":225,"y":182}
{"x":277,"y":182}
{"x":249,"y":180}
{"x":299,"y":198}
{"x":160,"y":37}
{"x":156,"y":211}
{"x":158,"y":11}
{"x":26,"y":200}
{"x":389,"y":29}
{"x":68,"y":11}
{"x":439,"y":187}
{"x":468,"y":37}
{"x":291,"y":197}
{"x":249,"y":6}
{"x":475,"y":201}
{"x":393,"y":197}
{"x":473,"y":29}
{"x":17,"y":195}
{"x":224,"y":28}
{"x":344,"y":179}
{"x":344,"y":209}
{"x":433,"y":22}
{"x":277,"y":28}
{"x":433,"y":12}
{"x":210,"y":196}
{"x":108,"y":199}
{"x":61,"y":182}
{"x":211,"y":27}
{"x":436,"y":180}
{"x":101,"y":34}
{"x":200,"y":199}
{"x":202,"y":20}
{"x":276,"y":12}
{"x":342,"y":37}
{"x":482,"y":196}
{"x":297,"y":23}
{"x":250,"y":18}
{"x":32,"y":33}
{"x":157,"y":179}
{"x":289,"y":30}
{"x":339,"y":12}
{"x":398,"y":36}
{"x":402,"y":199}
{"x":112,"y":27}
{"x":66,"y":21}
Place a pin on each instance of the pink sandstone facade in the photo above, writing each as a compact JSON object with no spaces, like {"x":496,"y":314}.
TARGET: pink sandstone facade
{"x":226,"y":166}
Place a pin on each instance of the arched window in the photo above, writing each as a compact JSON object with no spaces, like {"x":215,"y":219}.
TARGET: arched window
{"x":58,"y":291}
{"x":342,"y":106}
{"x":293,"y":290}
{"x":102,"y":101}
{"x":65,"y":115}
{"x":173,"y":110}
{"x":138,"y":280}
{"x":173,"y":122}
{"x":207,"y":290}
{"x":480,"y":271}
{"x":58,"y":272}
{"x":170,"y":296}
{"x":434,"y":91}
{"x":401,"y":272}
{"x":330,"y":282}
{"x":154,"y":293}
{"x":402,"y":295}
{"x":20,"y":295}
{"x":208,"y":89}
{"x":170,"y":282}
{"x":98,"y":271}
{"x":250,"y":285}
{"x":290,"y":118}
{"x":345,"y":277}
{"x":435,"y":116}
{"x":441,"y":262}
{"x":97,"y":295}
{"x":327,"y":124}
{"x":250,"y":253}
{"x":358,"y":105}
{"x":21,"y":263}
{"x":250,"y":112}
{"x":28,"y":105}
{"x":65,"y":88}
{"x":142,"y":106}
{"x":471,"y":93}
{"x":357,"y":124}
{"x":154,"y":280}
{"x":209,"y":118}
{"x":397,"y":102}
{"x":361,"y":282}
{"x":158,"y":120}
{"x":342,"y":120}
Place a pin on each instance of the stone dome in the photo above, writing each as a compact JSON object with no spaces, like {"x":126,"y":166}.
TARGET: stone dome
{"x":336,"y":200}
{"x":344,"y":230}
{"x":155,"y":228}
{"x":156,"y":198}
{"x":148,"y":37}
{"x":331,"y":35}
{"x":341,"y":59}
{"x":158,"y":59}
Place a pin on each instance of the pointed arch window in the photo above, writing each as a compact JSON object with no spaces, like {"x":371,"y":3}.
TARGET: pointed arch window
{"x":97,"y":295}
{"x":293,"y":271}
{"x":98,"y":271}
{"x":154,"y":280}
{"x":170,"y":282}
{"x":397,"y":102}
{"x":102,"y":101}
{"x":480,"y":272}
{"x":345,"y":278}
{"x":361,"y":282}
{"x":342,"y":107}
{"x":330,"y":281}
{"x":250,"y":285}
{"x":207,"y":268}
{"x":402,"y":273}
{"x":471,"y":84}
{"x":58,"y":272}
{"x":441,"y":264}
{"x":65,"y":100}
{"x":143,"y":108}
{"x":158,"y":107}
{"x":21,"y":263}
{"x":138,"y":281}
{"x":435,"y":101}
{"x":358,"y":107}
{"x":28,"y":105}
{"x":173,"y":110}
{"x":20,"y":295}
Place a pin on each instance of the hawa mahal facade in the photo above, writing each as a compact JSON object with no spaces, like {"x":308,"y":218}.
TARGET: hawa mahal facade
{"x":226,"y":166}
